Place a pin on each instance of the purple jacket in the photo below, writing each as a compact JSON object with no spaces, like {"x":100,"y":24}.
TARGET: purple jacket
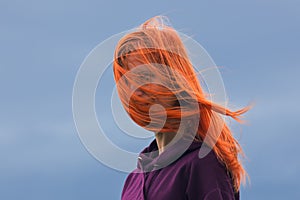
{"x":188,"y":177}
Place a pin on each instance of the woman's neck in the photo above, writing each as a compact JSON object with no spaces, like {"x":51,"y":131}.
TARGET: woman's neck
{"x":162,"y":139}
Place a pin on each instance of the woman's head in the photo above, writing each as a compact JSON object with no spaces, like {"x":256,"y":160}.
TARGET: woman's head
{"x":159,"y":72}
{"x":151,"y":66}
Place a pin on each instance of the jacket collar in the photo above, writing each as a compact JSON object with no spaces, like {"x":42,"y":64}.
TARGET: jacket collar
{"x":149,"y":159}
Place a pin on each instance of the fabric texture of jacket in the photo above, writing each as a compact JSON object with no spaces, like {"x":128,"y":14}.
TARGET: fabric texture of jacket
{"x":188,"y":177}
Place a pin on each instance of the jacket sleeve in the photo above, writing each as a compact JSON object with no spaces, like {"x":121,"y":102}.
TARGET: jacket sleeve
{"x":207,"y":179}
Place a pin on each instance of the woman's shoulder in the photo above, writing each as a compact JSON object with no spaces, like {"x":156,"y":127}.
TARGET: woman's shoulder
{"x":132,"y":186}
{"x":202,"y":156}
{"x":206,"y":163}
{"x":207,"y":174}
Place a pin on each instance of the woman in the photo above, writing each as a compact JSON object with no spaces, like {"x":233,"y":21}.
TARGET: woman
{"x":159,"y":89}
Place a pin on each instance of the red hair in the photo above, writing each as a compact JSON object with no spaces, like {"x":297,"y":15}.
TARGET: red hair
{"x":158,"y":46}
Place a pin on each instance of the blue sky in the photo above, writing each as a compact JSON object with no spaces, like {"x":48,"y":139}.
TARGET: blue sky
{"x":43,"y":44}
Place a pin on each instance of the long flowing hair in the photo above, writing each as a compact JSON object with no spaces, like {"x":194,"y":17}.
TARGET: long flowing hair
{"x":158,"y":46}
